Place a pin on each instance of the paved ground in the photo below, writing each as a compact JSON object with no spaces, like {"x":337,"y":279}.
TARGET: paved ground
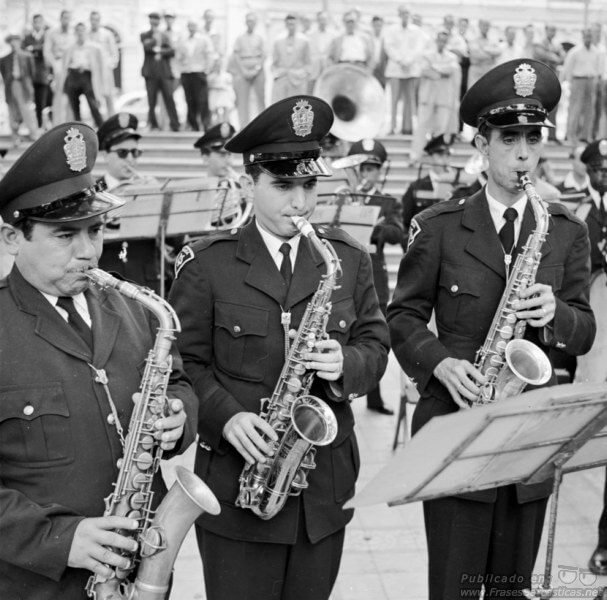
{"x":385,"y":549}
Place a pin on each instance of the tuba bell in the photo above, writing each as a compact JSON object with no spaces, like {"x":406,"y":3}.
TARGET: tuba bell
{"x":357,"y":99}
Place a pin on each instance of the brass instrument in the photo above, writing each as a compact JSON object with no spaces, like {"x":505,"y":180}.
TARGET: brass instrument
{"x":357,"y":99}
{"x":301,"y":421}
{"x":232,"y":207}
{"x":160,"y":533}
{"x":508,"y":361}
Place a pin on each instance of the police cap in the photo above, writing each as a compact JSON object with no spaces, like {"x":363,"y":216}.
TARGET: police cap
{"x":215,"y":138}
{"x":116,"y":129}
{"x":284,"y":140}
{"x":52,"y":180}
{"x":517,"y":92}
{"x":595,"y":155}
{"x":375,"y":151}
{"x":437,"y":145}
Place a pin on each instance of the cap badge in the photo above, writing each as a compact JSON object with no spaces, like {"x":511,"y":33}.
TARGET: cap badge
{"x":123,"y":120}
{"x":75,"y":149}
{"x":224,"y":130}
{"x":301,"y":169}
{"x":303,"y":118}
{"x":524,"y":80}
{"x":603,"y":147}
{"x":368,"y":145}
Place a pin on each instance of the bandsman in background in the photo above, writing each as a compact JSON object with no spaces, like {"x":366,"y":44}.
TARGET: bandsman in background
{"x":459,"y":258}
{"x":433,"y":187}
{"x":594,"y":212}
{"x":135,"y":259}
{"x":238,"y":294}
{"x":388,"y":230}
{"x":232,"y":204}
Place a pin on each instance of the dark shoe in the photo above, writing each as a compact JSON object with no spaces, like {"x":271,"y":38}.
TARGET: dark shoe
{"x":382,"y":410}
{"x":598,"y":561}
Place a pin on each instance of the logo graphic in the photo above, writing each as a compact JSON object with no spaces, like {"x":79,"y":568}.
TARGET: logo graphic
{"x":303,"y":118}
{"x":524,"y":80}
{"x":75,"y":149}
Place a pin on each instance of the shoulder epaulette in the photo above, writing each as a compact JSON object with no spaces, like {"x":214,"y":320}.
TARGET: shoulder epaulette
{"x":337,"y":234}
{"x":558,"y":209}
{"x":441,"y":208}
{"x":221,"y":235}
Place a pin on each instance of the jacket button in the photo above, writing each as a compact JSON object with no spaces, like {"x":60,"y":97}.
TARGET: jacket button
{"x":342,"y":324}
{"x":111,"y":419}
{"x":236,"y":328}
{"x":454,"y":288}
{"x":28,"y":410}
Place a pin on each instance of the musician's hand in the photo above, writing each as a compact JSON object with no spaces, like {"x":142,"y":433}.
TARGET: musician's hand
{"x":536,"y":304}
{"x":168,"y":429}
{"x":327,"y":361}
{"x":460,"y":378}
{"x":243,"y":432}
{"x":95,"y":543}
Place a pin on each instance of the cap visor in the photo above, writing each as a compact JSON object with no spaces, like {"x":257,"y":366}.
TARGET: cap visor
{"x":296,"y":169}
{"x":79,"y":206}
{"x":518,"y":119}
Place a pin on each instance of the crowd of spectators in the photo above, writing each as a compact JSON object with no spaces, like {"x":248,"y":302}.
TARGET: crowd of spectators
{"x":424,"y":70}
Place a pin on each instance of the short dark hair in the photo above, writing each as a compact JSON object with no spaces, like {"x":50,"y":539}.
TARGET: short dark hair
{"x":26,"y":226}
{"x":253,"y":171}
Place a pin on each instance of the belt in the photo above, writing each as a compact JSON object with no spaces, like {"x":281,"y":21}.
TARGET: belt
{"x":583,"y":77}
{"x":72,"y":70}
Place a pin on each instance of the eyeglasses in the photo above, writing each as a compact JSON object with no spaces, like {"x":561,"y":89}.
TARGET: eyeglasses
{"x":124,"y":152}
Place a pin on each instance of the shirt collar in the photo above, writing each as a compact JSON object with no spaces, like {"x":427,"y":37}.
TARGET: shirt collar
{"x":273,"y":244}
{"x":497,"y":209}
{"x":596,"y":197}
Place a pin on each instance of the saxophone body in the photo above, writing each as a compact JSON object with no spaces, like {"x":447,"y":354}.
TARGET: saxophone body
{"x":161,"y":532}
{"x":509,"y":362}
{"x":300,"y":420}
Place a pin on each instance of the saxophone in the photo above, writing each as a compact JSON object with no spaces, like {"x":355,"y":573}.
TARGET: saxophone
{"x":508,"y":361}
{"x":161,"y":532}
{"x":300,"y":420}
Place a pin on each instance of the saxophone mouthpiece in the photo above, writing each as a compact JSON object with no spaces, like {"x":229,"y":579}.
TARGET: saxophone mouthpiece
{"x":303,"y":226}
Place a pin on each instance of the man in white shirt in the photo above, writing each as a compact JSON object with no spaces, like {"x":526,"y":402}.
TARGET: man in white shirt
{"x":107,"y":42}
{"x":196,"y":56}
{"x":404,"y":47}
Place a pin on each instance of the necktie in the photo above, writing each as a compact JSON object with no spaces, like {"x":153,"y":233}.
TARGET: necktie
{"x":75,"y":320}
{"x":507,"y":231}
{"x":286,"y":270}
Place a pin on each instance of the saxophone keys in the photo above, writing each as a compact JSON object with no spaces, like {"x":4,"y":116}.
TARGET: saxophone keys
{"x":506,"y":332}
{"x":144,"y":461}
{"x":294,"y":385}
{"x":137,"y":501}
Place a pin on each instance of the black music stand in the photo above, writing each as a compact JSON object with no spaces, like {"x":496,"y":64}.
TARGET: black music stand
{"x":357,"y":220}
{"x":153,"y":211}
{"x":540,"y":434}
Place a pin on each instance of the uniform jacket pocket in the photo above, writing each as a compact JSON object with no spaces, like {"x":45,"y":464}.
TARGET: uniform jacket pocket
{"x":240,"y":340}
{"x":459,"y":303}
{"x":35,"y":425}
{"x":341,"y":319}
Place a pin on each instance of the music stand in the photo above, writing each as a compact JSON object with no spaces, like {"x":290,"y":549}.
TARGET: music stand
{"x":527,"y":439}
{"x":357,"y":220}
{"x":177,"y":207}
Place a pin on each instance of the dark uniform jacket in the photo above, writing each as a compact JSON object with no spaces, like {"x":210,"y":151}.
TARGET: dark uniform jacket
{"x":388,"y":230}
{"x":35,"y":46}
{"x":228,"y":294}
{"x":153,"y":68}
{"x":596,"y":221}
{"x":58,"y":452}
{"x":419,"y":196}
{"x":26,"y":67}
{"x":455,"y":266}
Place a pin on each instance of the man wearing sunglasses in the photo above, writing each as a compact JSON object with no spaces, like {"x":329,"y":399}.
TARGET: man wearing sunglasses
{"x":134,"y":259}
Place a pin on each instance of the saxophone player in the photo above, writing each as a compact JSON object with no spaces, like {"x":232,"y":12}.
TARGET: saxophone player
{"x":238,"y":293}
{"x":70,"y":357}
{"x":459,"y":257}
